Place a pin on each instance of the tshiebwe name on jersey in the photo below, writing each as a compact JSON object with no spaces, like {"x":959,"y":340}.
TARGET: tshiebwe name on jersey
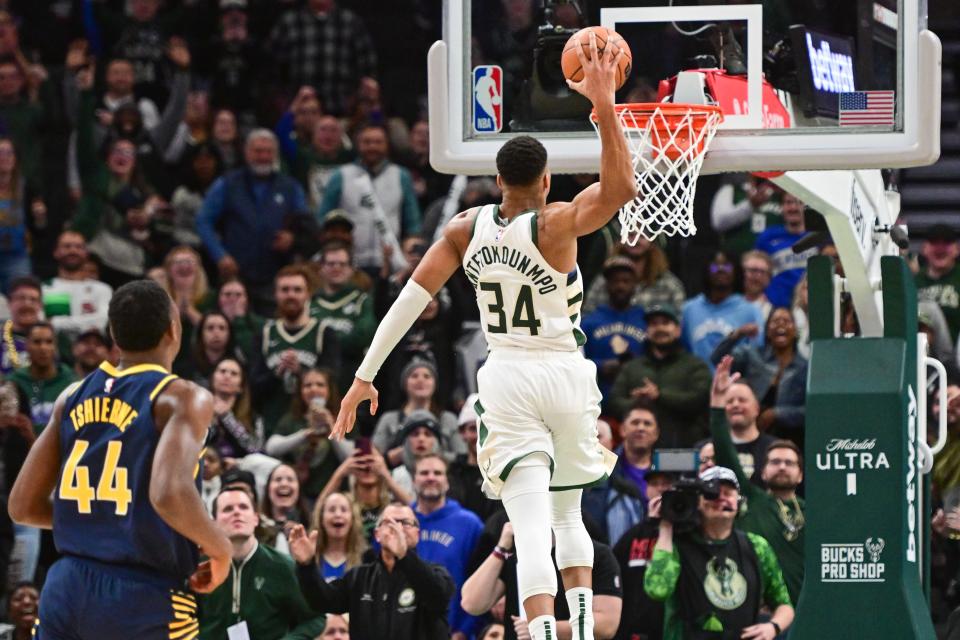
{"x":513,"y":258}
{"x":103,"y":410}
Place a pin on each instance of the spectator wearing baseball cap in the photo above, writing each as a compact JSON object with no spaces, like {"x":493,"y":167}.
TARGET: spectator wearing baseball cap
{"x":237,"y":477}
{"x":419,"y":436}
{"x":463,"y":473}
{"x":655,"y":283}
{"x":939,"y":278}
{"x":337,"y":225}
{"x":674,"y":381}
{"x":89,"y":349}
{"x":690,"y":557}
{"x":615,"y":330}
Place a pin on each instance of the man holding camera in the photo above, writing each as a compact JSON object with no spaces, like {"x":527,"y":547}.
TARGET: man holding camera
{"x":776,"y":513}
{"x":715,"y":578}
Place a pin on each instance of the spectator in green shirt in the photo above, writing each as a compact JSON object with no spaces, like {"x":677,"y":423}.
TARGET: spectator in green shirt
{"x":43,"y":379}
{"x":776,"y":513}
{"x":939,"y":281}
{"x":261,"y":596}
{"x":715,"y":578}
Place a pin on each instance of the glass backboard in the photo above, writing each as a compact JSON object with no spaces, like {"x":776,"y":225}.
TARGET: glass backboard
{"x":804,"y":84}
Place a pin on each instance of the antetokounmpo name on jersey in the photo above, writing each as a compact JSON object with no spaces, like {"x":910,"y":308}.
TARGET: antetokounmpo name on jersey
{"x":517,"y":260}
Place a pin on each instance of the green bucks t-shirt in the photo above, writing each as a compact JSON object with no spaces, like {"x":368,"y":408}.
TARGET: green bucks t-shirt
{"x":307,"y":342}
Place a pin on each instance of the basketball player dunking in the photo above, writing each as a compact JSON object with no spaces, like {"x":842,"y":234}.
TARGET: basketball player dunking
{"x":539,"y":400}
{"x":121,"y":459}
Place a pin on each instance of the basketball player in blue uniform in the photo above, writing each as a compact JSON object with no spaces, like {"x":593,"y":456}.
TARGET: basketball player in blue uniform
{"x":115,"y":475}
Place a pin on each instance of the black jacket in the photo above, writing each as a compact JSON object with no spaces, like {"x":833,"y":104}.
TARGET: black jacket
{"x":408,"y":603}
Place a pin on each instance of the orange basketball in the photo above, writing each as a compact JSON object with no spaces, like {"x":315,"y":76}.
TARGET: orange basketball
{"x":570,"y":63}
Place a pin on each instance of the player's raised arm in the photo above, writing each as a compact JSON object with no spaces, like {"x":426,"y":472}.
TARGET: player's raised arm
{"x":438,"y":264}
{"x":186,"y":411}
{"x":30,"y":499}
{"x":596,"y":204}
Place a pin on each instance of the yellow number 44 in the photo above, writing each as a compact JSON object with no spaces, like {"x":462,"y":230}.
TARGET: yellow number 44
{"x":112,"y":487}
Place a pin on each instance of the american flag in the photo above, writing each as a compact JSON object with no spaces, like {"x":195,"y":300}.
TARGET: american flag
{"x":858,"y":108}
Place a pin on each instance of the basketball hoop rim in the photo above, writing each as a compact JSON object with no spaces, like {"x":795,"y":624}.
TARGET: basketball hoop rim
{"x":672,"y":113}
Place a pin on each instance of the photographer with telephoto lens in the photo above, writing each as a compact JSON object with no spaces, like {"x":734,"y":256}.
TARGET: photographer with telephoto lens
{"x":713,"y":578}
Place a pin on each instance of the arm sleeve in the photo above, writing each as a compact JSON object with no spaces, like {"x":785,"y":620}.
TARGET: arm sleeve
{"x":725,"y":214}
{"x":412,"y":220}
{"x":331,"y":195}
{"x":328,"y":597}
{"x":774,"y":587}
{"x":660,"y":580}
{"x":411,"y":302}
{"x":432,"y":583}
{"x":726,"y":452}
{"x":210,"y":212}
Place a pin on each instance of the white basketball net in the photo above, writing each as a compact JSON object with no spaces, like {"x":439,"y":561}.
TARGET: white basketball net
{"x":668,"y":144}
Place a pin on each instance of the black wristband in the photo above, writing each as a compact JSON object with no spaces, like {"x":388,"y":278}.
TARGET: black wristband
{"x":776,"y":627}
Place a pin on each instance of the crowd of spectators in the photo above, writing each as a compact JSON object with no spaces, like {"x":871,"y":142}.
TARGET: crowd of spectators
{"x":267,"y":163}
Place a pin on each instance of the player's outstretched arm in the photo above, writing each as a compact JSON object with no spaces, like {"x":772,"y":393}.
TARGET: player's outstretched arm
{"x":30,"y":499}
{"x":438,"y":264}
{"x":596,"y":204}
{"x":185,"y":412}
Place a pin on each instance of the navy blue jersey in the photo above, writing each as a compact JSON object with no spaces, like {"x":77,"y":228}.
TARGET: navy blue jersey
{"x":101,"y":508}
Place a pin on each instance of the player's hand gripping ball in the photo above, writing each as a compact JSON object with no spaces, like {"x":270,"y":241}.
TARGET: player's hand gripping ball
{"x":571,"y":64}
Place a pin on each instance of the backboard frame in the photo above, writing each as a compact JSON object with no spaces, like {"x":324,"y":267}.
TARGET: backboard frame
{"x":916,"y":143}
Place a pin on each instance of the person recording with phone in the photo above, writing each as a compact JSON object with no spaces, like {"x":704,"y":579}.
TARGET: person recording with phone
{"x":300,"y":438}
{"x":713,"y":577}
{"x":365,"y":477}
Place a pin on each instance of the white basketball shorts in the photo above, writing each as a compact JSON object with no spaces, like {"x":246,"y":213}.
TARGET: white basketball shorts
{"x":540,"y":401}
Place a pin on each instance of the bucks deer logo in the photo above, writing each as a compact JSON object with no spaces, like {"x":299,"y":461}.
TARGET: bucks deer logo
{"x":724,"y":585}
{"x":874,"y":547}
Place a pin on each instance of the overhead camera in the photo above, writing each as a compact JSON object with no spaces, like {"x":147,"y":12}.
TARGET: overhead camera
{"x":546,"y":103}
{"x":681,"y":504}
